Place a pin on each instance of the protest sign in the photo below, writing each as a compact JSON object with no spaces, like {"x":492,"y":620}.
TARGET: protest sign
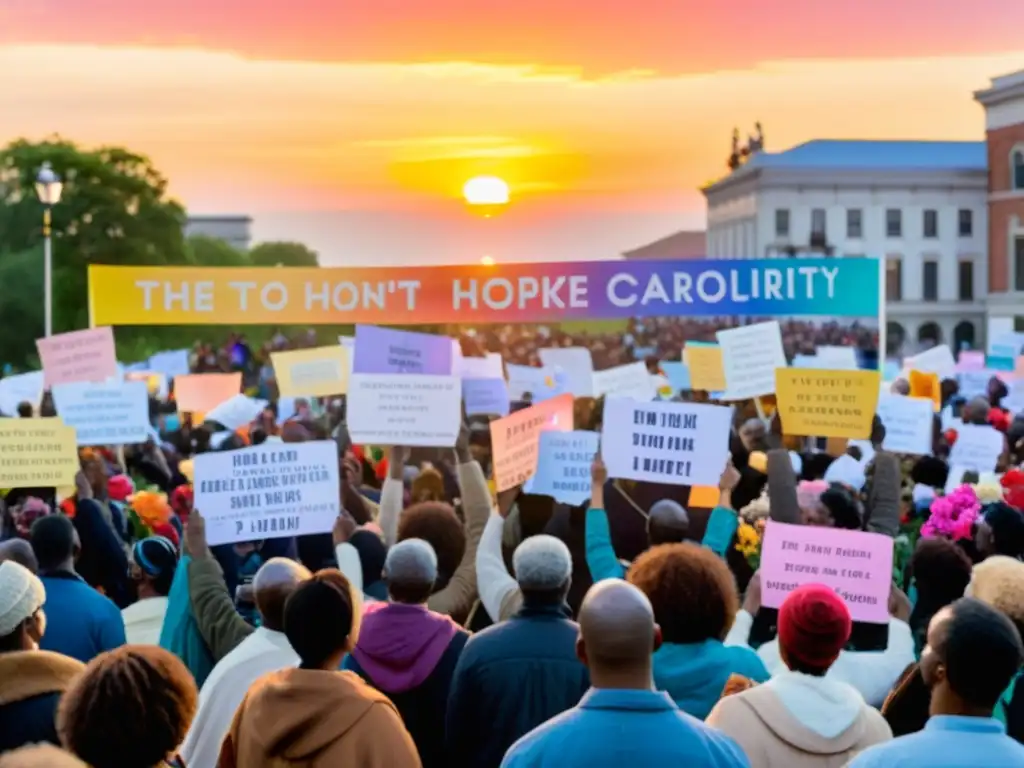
{"x":660,"y":442}
{"x":469,"y":294}
{"x":515,"y":439}
{"x":387,"y":351}
{"x":202,"y":392}
{"x":485,"y":396}
{"x":490,"y":367}
{"x":78,"y":356}
{"x":908,"y":423}
{"x":925,"y":385}
{"x":411,"y":409}
{"x":631,"y":381}
{"x":237,"y":412}
{"x":576,"y":364}
{"x":20,"y":388}
{"x":977,"y":447}
{"x":318,"y":372}
{"x":563,"y":466}
{"x":704,"y":497}
{"x":170,"y":363}
{"x":836,"y":358}
{"x":750,"y":356}
{"x":857,"y":565}
{"x":707,"y":372}
{"x":37,"y":453}
{"x":540,"y":383}
{"x":268,"y":491}
{"x":817,"y":403}
{"x":938,"y":360}
{"x":974,"y":382}
{"x":970,"y":360}
{"x":156,"y":383}
{"x":105,"y":414}
{"x":677,"y":374}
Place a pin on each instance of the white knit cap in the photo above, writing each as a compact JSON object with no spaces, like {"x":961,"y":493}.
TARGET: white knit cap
{"x":21,"y":595}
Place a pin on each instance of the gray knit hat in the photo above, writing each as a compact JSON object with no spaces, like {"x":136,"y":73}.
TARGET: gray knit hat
{"x":21,"y":595}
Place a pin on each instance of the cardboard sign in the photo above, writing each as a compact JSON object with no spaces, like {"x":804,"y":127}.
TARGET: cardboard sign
{"x":383,"y":350}
{"x":37,"y":453}
{"x":816,"y":403}
{"x":78,"y":356}
{"x":857,"y":565}
{"x":105,"y":414}
{"x":417,"y":410}
{"x":202,"y":392}
{"x":515,"y":439}
{"x":268,"y":491}
{"x":319,"y":372}
{"x":705,"y":363}
{"x":750,"y":356}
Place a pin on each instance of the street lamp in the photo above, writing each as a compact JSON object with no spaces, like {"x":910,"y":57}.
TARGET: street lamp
{"x":48,"y":187}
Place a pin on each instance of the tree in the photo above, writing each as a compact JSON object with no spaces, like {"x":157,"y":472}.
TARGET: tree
{"x":284,"y":253}
{"x":204,"y":251}
{"x":114,"y":210}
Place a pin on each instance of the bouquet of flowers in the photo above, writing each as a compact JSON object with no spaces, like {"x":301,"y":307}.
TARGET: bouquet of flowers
{"x":748,"y":541}
{"x":953,"y":516}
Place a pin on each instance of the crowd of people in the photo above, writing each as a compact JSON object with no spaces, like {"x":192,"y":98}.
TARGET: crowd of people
{"x":442,"y":623}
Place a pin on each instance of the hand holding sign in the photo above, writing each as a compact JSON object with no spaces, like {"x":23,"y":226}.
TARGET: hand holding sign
{"x":195,"y":535}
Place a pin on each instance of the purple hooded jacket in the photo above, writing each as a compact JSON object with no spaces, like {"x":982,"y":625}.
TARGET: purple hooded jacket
{"x":400,"y":645}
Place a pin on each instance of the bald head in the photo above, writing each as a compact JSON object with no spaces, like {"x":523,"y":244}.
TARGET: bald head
{"x":667,"y":523}
{"x":976,"y":411}
{"x":617,"y":627}
{"x":20,"y":552}
{"x":274,"y":583}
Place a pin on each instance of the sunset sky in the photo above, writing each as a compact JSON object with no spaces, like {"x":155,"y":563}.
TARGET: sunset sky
{"x":352,"y":125}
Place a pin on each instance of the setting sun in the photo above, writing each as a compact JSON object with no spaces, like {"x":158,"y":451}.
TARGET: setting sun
{"x":486,"y":190}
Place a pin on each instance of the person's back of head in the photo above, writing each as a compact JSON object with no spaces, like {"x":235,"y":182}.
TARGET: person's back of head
{"x":54,"y":542}
{"x":941,"y":571}
{"x":410,"y":569}
{"x":25,"y":410}
{"x":154,"y":560}
{"x":814,"y":625}
{"x":22,"y":621}
{"x":436,"y":523}
{"x":130,"y":707}
{"x":618,"y":635}
{"x":20,"y":552}
{"x":972,"y":655}
{"x":273,"y":584}
{"x":321,"y":620}
{"x":999,"y":581}
{"x":40,"y":756}
{"x":543,"y":568}
{"x":667,"y":523}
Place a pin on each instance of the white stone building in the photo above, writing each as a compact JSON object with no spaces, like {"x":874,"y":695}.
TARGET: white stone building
{"x":234,"y":230}
{"x":921,"y":204}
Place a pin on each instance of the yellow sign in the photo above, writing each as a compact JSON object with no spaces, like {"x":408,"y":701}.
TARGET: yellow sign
{"x":817,"y":403}
{"x":926,"y":385}
{"x":37,"y":453}
{"x":706,"y":370}
{"x":316,"y":372}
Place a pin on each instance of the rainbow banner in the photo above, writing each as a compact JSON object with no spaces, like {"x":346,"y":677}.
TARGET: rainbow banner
{"x":508,"y":293}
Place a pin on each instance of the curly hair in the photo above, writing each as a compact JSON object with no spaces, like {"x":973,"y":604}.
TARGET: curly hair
{"x":131,"y":706}
{"x":691,"y":589}
{"x":437,"y":524}
{"x":999,"y":581}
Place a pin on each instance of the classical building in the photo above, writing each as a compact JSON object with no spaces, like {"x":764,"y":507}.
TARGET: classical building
{"x":1003,"y":101}
{"x":922,"y":204}
{"x":234,"y":230}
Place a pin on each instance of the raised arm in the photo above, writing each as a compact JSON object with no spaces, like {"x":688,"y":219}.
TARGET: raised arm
{"x":884,"y":499}
{"x":601,"y":559}
{"x":782,"y":498}
{"x":723,"y":522}
{"x":392,"y":495}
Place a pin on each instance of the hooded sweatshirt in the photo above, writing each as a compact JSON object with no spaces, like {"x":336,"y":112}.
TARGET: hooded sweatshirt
{"x":800,"y":721}
{"x":409,"y":653}
{"x":316,"y":719}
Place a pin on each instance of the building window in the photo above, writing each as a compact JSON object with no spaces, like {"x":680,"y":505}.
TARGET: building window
{"x":1018,"y":169}
{"x":782,"y":222}
{"x":893,"y":222}
{"x":930,"y":279}
{"x":965,"y":218}
{"x":931,"y":223}
{"x":1018,"y":263}
{"x":818,"y":222}
{"x":893,"y":279}
{"x":854,"y":223}
{"x":966,"y":280}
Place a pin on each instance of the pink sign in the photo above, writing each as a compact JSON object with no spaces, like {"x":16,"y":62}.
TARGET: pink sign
{"x":970,"y":360}
{"x":78,"y":356}
{"x":857,"y":565}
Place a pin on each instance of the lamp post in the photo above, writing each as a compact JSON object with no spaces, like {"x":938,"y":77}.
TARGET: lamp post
{"x":48,"y":187}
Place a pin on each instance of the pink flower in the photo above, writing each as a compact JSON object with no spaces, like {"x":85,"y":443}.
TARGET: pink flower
{"x":954,"y":515}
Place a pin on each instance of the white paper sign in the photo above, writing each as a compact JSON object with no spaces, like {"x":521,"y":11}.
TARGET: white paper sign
{"x":490,"y":367}
{"x":908,"y":423}
{"x":977,"y":447}
{"x":268,"y":491}
{"x":631,"y":381}
{"x":935,"y":360}
{"x":577,"y":366}
{"x":750,"y":355}
{"x":563,"y":466}
{"x":105,"y":414}
{"x":974,"y":383}
{"x":836,"y":358}
{"x":485,"y":396}
{"x":20,"y":388}
{"x":404,"y":409}
{"x":541,"y":383}
{"x":170,"y":363}
{"x":661,"y":442}
{"x":237,"y":412}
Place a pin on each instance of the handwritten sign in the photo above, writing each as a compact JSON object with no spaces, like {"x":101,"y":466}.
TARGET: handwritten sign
{"x":563,"y":466}
{"x":237,"y":412}
{"x":404,"y":409}
{"x":540,"y":383}
{"x":489,"y":367}
{"x":515,"y":439}
{"x":383,"y":350}
{"x":20,"y":388}
{"x":576,"y":364}
{"x":938,"y":360}
{"x":78,"y":356}
{"x":908,"y":423}
{"x":857,"y":565}
{"x":750,"y":356}
{"x":269,"y":491}
{"x":660,"y":442}
{"x":318,"y":372}
{"x":631,"y":381}
{"x":485,"y":396}
{"x":977,"y":447}
{"x":816,"y":403}
{"x":105,"y":414}
{"x":37,"y":453}
{"x":705,"y":363}
{"x":202,"y":392}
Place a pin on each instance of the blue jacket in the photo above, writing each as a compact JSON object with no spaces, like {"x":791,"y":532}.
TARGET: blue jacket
{"x":621,"y":727}
{"x":694,"y":674}
{"x":80,"y":622}
{"x":947,"y":742}
{"x":511,"y":678}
